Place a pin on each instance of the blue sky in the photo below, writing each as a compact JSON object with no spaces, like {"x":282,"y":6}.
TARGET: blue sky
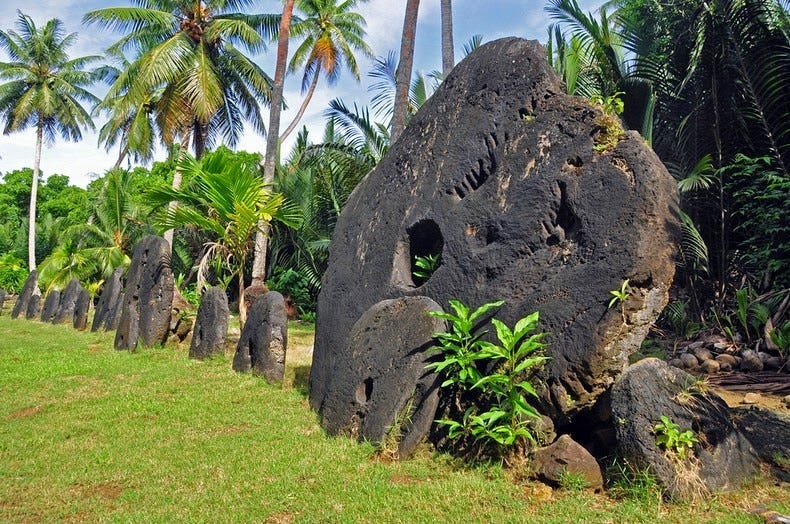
{"x":85,"y":160}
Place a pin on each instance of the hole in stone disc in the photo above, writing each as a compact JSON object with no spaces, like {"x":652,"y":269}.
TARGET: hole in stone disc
{"x":364,"y":391}
{"x":425,"y":250}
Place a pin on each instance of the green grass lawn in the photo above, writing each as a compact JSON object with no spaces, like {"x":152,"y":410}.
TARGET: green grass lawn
{"x":91,"y":434}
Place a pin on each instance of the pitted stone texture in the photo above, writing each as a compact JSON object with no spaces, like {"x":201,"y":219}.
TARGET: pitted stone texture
{"x":498,"y":174}
{"x":651,"y":388}
{"x":29,"y":289}
{"x":68,"y":303}
{"x":81,"y":307}
{"x":51,"y":304}
{"x":148,"y":297}
{"x":106,"y":315}
{"x":33,"y":307}
{"x":381,"y":375}
{"x":264,"y":339}
{"x":211,"y":325}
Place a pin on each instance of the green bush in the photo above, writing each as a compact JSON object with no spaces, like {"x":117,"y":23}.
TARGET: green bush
{"x":291,"y":282}
{"x":498,"y":420}
{"x":13,"y":273}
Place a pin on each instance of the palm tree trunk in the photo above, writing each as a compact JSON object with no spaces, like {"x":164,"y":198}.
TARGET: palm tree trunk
{"x":242,"y":304}
{"x":303,"y":107}
{"x":31,"y":229}
{"x":403,"y":74}
{"x":177,"y":180}
{"x":448,"y":55}
{"x":269,"y":161}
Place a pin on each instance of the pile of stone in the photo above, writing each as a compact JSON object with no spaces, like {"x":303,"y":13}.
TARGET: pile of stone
{"x":714,"y":354}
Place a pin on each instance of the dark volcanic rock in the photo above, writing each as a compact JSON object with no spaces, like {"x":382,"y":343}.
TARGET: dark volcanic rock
{"x":106,"y":314}
{"x":724,"y":458}
{"x":68,"y":303}
{"x":498,"y":176}
{"x":264,"y":339}
{"x":769,"y":433}
{"x":81,"y":310}
{"x":51,"y":304}
{"x":380,"y":381}
{"x":211,"y":324}
{"x":33,"y":307}
{"x":28,"y":290}
{"x":148,"y":297}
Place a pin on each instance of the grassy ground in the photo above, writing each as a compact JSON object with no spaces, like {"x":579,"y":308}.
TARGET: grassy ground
{"x":89,"y":434}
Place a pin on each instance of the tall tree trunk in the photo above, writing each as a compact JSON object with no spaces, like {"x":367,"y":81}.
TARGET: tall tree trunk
{"x":182,"y":149}
{"x":448,"y":53}
{"x":403,"y":73}
{"x":303,"y":107}
{"x":269,"y":160}
{"x":31,"y":228}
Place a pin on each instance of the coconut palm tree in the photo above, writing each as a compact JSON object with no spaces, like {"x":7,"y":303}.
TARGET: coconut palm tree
{"x":131,"y":123}
{"x":91,"y":251}
{"x":226,"y":198}
{"x":193,"y":52}
{"x":594,"y":62}
{"x":403,"y":74}
{"x":332,"y":31}
{"x":383,"y":101}
{"x":44,"y":89}
{"x":448,"y":53}
{"x":275,"y":110}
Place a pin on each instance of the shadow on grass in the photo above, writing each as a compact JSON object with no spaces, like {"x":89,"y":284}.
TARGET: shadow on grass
{"x":301,"y":381}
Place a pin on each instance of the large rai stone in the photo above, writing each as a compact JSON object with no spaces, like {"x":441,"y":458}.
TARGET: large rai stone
{"x":380,"y":383}
{"x":148,"y":297}
{"x":33,"y":307}
{"x":3,"y":294}
{"x":499,"y":177}
{"x":264,"y":339}
{"x":81,"y":307}
{"x":106,"y":314}
{"x":50,"y":307}
{"x":29,"y":289}
{"x":68,"y":303}
{"x":211,"y":325}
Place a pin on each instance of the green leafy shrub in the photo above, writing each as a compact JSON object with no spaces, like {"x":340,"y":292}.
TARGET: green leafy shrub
{"x":290,"y":282}
{"x":13,"y":272}
{"x":669,"y":437}
{"x":498,"y":419}
{"x":424,"y":267}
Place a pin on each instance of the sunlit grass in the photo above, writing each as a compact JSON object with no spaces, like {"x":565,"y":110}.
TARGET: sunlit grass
{"x":91,"y":434}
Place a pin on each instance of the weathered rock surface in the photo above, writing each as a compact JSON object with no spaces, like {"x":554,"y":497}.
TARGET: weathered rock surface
{"x":497,"y":174}
{"x":3,"y":294}
{"x":769,"y":433}
{"x":28,"y":290}
{"x":106,"y":315}
{"x":33,"y":307}
{"x":264,"y":339}
{"x":51,"y":304}
{"x":81,"y":307}
{"x":145,"y":312}
{"x":211,"y":325}
{"x":379,"y":382}
{"x":566,"y":455}
{"x":68,"y":303}
{"x":724,"y":459}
